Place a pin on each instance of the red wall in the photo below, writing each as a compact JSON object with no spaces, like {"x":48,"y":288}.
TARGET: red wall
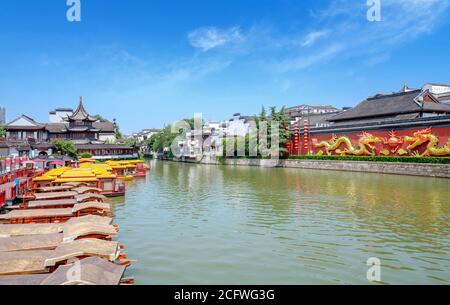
{"x":443,"y":133}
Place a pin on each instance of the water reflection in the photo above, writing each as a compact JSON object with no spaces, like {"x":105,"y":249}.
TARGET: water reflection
{"x":190,"y":224}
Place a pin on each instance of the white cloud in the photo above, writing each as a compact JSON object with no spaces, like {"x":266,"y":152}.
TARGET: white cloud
{"x":209,"y":38}
{"x":305,"y":61}
{"x":312,"y":37}
{"x":354,"y":37}
{"x":191,"y":70}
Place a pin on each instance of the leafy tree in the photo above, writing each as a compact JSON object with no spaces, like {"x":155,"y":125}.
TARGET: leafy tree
{"x":2,"y":132}
{"x":191,"y":122}
{"x":117,"y":132}
{"x":284,"y":134}
{"x":109,"y":141}
{"x":162,"y":139}
{"x":100,"y":118}
{"x":151,"y":141}
{"x":233,"y":142}
{"x":263,"y":114}
{"x":283,"y":121}
{"x":130,"y":142}
{"x":86,"y":155}
{"x":65,"y":147}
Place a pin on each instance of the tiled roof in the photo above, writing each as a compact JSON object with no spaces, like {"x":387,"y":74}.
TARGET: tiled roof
{"x":81,"y":114}
{"x":304,"y":107}
{"x":390,"y":105}
{"x":56,"y":127}
{"x":102,"y":146}
{"x":104,"y":126}
{"x":406,"y":116}
{"x":26,"y":127}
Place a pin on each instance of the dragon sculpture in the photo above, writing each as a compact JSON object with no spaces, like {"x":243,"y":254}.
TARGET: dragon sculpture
{"x":394,"y":142}
{"x":426,"y":136}
{"x":365,"y":145}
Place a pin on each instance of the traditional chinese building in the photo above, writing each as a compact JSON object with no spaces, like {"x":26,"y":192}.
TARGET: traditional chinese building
{"x":409,"y":122}
{"x":79,"y":127}
{"x":25,"y":136}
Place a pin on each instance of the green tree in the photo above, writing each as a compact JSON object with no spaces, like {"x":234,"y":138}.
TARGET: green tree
{"x":100,"y":118}
{"x":2,"y":132}
{"x":282,"y":119}
{"x":190,"y":122}
{"x":263,"y":114}
{"x":151,"y":141}
{"x":117,"y":132}
{"x":86,"y":155}
{"x":130,"y":142}
{"x":163,"y":139}
{"x":65,"y":147}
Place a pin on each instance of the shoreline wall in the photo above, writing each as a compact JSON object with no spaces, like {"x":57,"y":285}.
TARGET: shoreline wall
{"x":408,"y":169}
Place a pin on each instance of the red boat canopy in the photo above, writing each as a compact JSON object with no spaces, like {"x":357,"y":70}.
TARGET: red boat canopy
{"x":57,"y":163}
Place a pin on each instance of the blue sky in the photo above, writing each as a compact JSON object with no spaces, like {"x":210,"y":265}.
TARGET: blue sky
{"x":151,"y":62}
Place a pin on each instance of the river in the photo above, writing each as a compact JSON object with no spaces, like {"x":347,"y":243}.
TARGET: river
{"x":200,"y":224}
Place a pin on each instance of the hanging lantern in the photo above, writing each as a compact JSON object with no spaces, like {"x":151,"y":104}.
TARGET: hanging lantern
{"x":305,"y":135}
{"x":296,"y":138}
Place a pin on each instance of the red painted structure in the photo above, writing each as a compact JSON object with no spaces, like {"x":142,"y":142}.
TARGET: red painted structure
{"x":393,"y":142}
{"x":15,"y":178}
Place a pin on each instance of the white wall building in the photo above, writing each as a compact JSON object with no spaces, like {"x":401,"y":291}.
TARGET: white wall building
{"x":59,"y":114}
{"x":437,"y":88}
{"x":145,"y":134}
{"x":237,"y":126}
{"x":440,"y":91}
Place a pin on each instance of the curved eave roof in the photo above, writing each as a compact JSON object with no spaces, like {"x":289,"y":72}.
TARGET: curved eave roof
{"x":81,"y":114}
{"x":81,"y":179}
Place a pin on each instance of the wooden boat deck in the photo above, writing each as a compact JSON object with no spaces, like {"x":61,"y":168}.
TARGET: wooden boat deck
{"x":55,"y":195}
{"x":85,"y":247}
{"x":53,"y":215}
{"x":26,"y":262}
{"x":86,"y":189}
{"x":43,"y":261}
{"x":48,"y":204}
{"x":7,"y":230}
{"x":94,"y":221}
{"x":90,"y":197}
{"x":90,"y":218}
{"x":93,"y":271}
{"x":50,"y":189}
{"x":51,"y":241}
{"x":80,"y":230}
{"x":42,"y":239}
{"x":37,"y":213}
{"x":91,"y":204}
{"x":75,"y":184}
{"x":31,"y":242}
{"x":22,"y":280}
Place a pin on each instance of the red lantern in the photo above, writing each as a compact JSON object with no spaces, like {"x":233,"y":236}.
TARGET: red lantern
{"x":306,"y":135}
{"x":296,"y":138}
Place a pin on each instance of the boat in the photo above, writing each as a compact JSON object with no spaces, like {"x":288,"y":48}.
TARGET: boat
{"x":47,"y":261}
{"x":64,"y":220}
{"x":96,"y":176}
{"x":92,"y":271}
{"x":71,"y":230}
{"x":44,"y":215}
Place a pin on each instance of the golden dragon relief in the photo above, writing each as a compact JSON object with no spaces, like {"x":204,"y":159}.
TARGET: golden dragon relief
{"x":365,"y":145}
{"x":426,"y":136}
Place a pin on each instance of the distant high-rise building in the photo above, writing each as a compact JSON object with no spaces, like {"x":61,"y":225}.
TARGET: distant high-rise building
{"x":2,"y":115}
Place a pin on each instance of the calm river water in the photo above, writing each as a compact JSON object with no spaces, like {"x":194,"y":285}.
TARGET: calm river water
{"x":199,"y":224}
